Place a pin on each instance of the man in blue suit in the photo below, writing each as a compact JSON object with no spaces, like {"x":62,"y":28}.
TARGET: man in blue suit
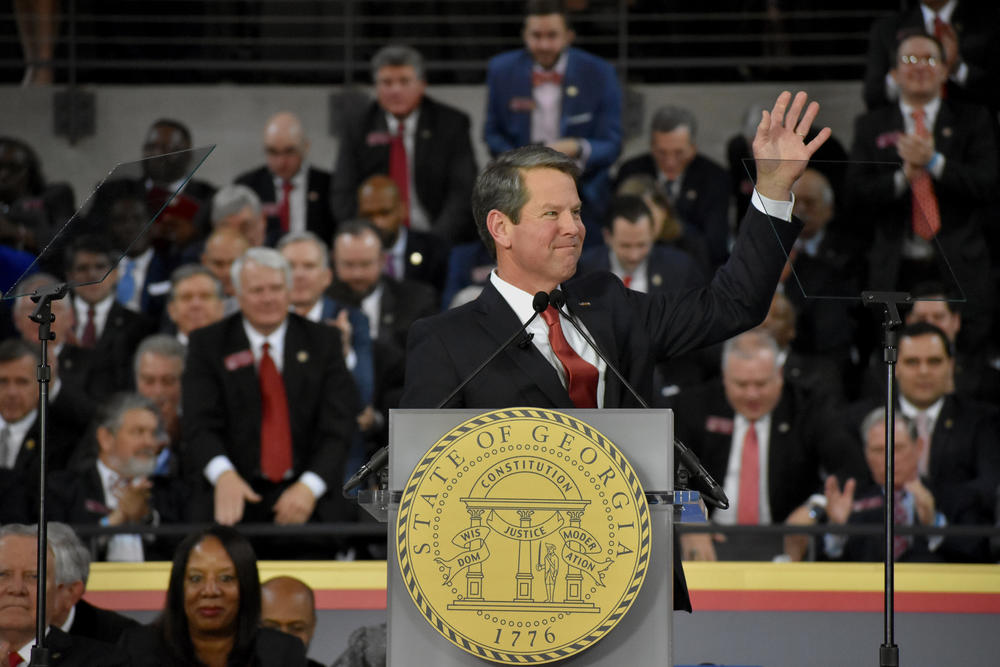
{"x":553,"y":94}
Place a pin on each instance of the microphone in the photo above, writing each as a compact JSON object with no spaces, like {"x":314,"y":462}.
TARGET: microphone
{"x":374,"y":464}
{"x":538,"y":304}
{"x":713,"y":493}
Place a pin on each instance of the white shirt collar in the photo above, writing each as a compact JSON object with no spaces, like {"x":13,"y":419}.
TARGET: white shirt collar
{"x":944,"y":13}
{"x":101,"y":310}
{"x":276,"y":340}
{"x":910,"y":411}
{"x":315,"y":313}
{"x":409,"y":123}
{"x":18,"y":431}
{"x":930,"y":109}
{"x":559,"y":67}
{"x":109,"y":478}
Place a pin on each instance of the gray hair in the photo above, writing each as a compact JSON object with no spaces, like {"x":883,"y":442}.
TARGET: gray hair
{"x":877,"y":416}
{"x":182,"y":273}
{"x":262,"y":256}
{"x":670,"y":118}
{"x":501,"y":185}
{"x":72,"y":556}
{"x":305,"y":236}
{"x":25,"y":530}
{"x":232,"y":199}
{"x":748,"y":345}
{"x":398,"y":55}
{"x":113,"y":412}
{"x":163,"y":345}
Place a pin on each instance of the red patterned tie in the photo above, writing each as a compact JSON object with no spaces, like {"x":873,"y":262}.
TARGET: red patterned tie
{"x":581,"y":376}
{"x":627,"y":280}
{"x":749,"y":500}
{"x":15,"y":659}
{"x":285,"y":208}
{"x":275,"y":427}
{"x":926,"y":220}
{"x":399,"y":170}
{"x":89,"y":337}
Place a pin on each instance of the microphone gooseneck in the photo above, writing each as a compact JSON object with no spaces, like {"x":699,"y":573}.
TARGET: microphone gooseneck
{"x":712,"y":492}
{"x":374,"y":464}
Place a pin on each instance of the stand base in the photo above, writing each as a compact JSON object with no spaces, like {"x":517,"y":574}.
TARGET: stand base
{"x":888,"y":656}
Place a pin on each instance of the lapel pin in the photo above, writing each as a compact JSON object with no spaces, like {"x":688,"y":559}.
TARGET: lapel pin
{"x":30,"y":444}
{"x":585,"y":304}
{"x":656,"y":279}
{"x":572,"y":91}
{"x":313,"y":195}
{"x":388,"y":318}
{"x":946,"y":132}
{"x":416,"y":259}
{"x":783,"y":427}
{"x":948,"y":423}
{"x":691,"y":194}
{"x":302,"y":356}
{"x":425,"y":134}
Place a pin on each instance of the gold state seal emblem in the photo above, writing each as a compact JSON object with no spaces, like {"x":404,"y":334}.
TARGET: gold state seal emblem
{"x":523,"y":536}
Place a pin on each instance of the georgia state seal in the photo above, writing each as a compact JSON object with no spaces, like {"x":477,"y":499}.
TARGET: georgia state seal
{"x":523,"y":536}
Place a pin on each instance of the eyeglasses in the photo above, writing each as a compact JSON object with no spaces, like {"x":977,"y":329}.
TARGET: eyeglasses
{"x":923,"y":60}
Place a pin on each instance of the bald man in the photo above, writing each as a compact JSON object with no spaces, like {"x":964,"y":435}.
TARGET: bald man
{"x":288,"y":605}
{"x":409,"y":253}
{"x":304,"y":207}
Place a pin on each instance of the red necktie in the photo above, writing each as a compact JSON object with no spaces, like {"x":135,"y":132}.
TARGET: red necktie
{"x":284,"y":208}
{"x":89,"y":338}
{"x":15,"y":659}
{"x":551,"y":76}
{"x":399,"y":170}
{"x":581,"y":376}
{"x":627,"y":280}
{"x":926,"y":218}
{"x":275,"y":427}
{"x":900,"y":543}
{"x":749,"y":501}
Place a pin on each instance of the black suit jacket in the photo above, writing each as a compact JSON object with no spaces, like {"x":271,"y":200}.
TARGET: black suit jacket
{"x":869,"y":508}
{"x":425,"y":259}
{"x":75,"y":651}
{"x":702,"y":203}
{"x":444,"y":166}
{"x":222,"y":406}
{"x":667,"y":268}
{"x":633,"y":329}
{"x":101,"y":624}
{"x":804,"y":443}
{"x":145,"y":648}
{"x":319,"y":220}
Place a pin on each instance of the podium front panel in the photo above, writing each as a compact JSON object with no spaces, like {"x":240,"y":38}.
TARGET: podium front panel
{"x":644,"y":636}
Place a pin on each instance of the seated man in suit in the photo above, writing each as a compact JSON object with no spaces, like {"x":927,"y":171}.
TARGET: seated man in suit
{"x":422,"y":144}
{"x":697,"y":187}
{"x":237,"y":207}
{"x":106,"y":331}
{"x":769,"y":443}
{"x":159,"y":365}
{"x":629,"y":252}
{"x":222,"y":247}
{"x":528,"y":212}
{"x":196,"y":299}
{"x":295,"y":194}
{"x":409,"y":253}
{"x":269,"y":406}
{"x":288,"y":605}
{"x":72,"y":613}
{"x":565,"y":98}
{"x":18,"y":600}
{"x":119,"y":487}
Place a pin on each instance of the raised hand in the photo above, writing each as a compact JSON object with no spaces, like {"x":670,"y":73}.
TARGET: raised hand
{"x":838,"y":503}
{"x":779,"y":146}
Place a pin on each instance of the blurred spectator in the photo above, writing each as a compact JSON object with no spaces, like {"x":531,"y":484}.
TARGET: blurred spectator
{"x":196,"y":297}
{"x":73,"y":614}
{"x":288,"y":605}
{"x":469,"y":268}
{"x":212,"y":612}
{"x":969,"y":32}
{"x":107,"y":333}
{"x":409,"y":253}
{"x":554,"y":94}
{"x":629,"y":252}
{"x":768,"y":444}
{"x":949,"y":166}
{"x":159,"y":365}
{"x":294,"y":193}
{"x":222,"y":247}
{"x":18,"y":599}
{"x":30,"y":210}
{"x":697,"y":187}
{"x":366,"y":647}
{"x":266,"y":376}
{"x":119,"y":487}
{"x":237,"y":207}
{"x":422,"y":144}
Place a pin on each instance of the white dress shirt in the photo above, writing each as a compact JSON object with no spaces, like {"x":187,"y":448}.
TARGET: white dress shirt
{"x":296,"y":198}
{"x":17,"y":432}
{"x":731,"y":486}
{"x":419,"y":218}
{"x":101,"y":310}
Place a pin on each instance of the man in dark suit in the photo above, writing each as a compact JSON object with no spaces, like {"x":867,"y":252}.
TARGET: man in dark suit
{"x":288,"y":605}
{"x":18,"y":608}
{"x":769,"y":443}
{"x":948,"y":151}
{"x":528,"y":212}
{"x":629,"y":252}
{"x":969,"y":31}
{"x":306,"y":204}
{"x":697,"y":187}
{"x":409,"y":253}
{"x":268,"y":404}
{"x":107,"y":332}
{"x":553,"y":94}
{"x":421,"y":143}
{"x":72,"y":613}
{"x":119,"y":488}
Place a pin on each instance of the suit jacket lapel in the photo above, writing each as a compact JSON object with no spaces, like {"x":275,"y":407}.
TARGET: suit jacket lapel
{"x":944,"y":130}
{"x":29,"y":448}
{"x":498,"y":322}
{"x":295,"y":363}
{"x":245,"y":377}
{"x":522,"y":88}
